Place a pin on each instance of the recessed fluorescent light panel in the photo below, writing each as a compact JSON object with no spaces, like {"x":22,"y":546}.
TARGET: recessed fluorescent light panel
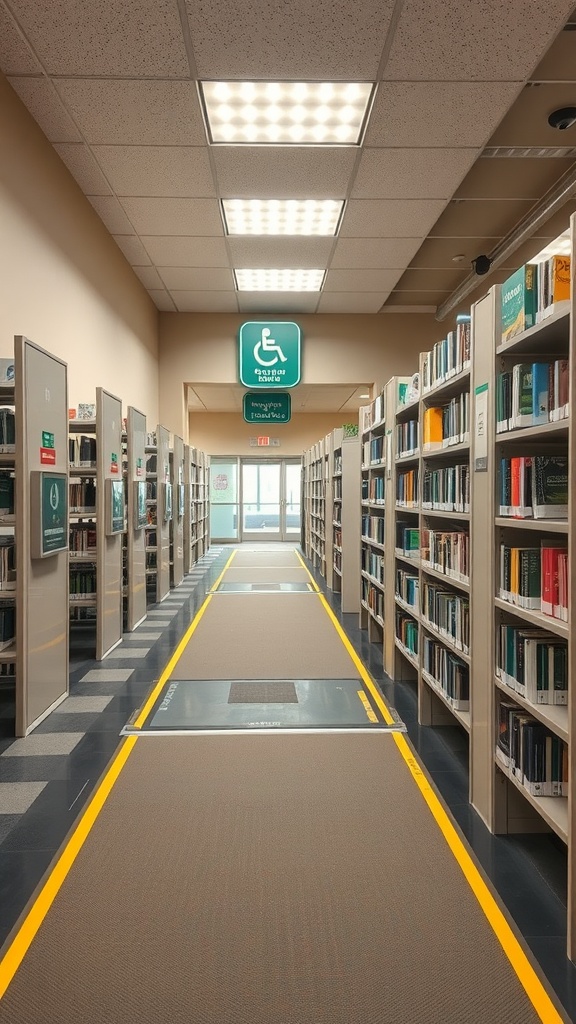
{"x":282,"y":216}
{"x":286,"y":113}
{"x":279,"y":280}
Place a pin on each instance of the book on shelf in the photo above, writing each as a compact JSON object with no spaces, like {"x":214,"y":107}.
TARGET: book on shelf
{"x":83,"y":496}
{"x":373,"y":564}
{"x":82,"y":451}
{"x":448,"y":357}
{"x":82,"y":582}
{"x":532,"y":394}
{"x":6,"y":494}
{"x":448,"y":612}
{"x":406,"y":438}
{"x":432,"y":432}
{"x":519,"y":299}
{"x":373,"y":528}
{"x":407,"y":487}
{"x":83,"y":540}
{"x":7,"y":563}
{"x":534,"y":663}
{"x":410,"y":392}
{"x":7,"y":429}
{"x":446,"y":489}
{"x":553,"y":284}
{"x":372,"y":597}
{"x":448,"y":671}
{"x":408,"y":587}
{"x":407,"y":540}
{"x":407,"y":632}
{"x":447,"y":551}
{"x":376,"y":489}
{"x":534,"y":487}
{"x":536,"y":578}
{"x":531,"y":753}
{"x":7,"y":625}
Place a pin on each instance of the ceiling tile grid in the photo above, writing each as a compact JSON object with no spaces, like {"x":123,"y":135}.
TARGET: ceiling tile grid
{"x":115,"y":89}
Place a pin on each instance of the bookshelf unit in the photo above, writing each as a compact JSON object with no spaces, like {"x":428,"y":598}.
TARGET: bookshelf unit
{"x":178,"y":512}
{"x":159,"y":509}
{"x":34,"y":586}
{"x":513,"y":581}
{"x":97,"y":521}
{"x":372,"y":431}
{"x":344,"y":518}
{"x":136,"y":518}
{"x":196,"y":498}
{"x":315,"y":463}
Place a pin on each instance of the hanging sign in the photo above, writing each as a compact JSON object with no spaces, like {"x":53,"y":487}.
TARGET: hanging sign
{"x":266,"y":407}
{"x":269,"y":354}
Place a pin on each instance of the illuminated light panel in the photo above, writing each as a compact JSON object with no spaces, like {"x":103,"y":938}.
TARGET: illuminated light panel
{"x":279,"y":280}
{"x":286,"y":113}
{"x":282,"y":216}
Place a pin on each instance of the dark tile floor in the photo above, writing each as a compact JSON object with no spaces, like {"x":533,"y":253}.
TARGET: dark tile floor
{"x":529,"y":872}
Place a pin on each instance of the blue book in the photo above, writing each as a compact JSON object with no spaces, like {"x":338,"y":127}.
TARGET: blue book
{"x":540,"y":373}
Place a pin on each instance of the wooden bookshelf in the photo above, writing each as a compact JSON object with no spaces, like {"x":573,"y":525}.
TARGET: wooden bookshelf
{"x":501,"y":798}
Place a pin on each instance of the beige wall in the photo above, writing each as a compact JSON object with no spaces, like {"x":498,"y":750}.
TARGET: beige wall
{"x":202,"y":348}
{"x":227,"y":434}
{"x":64,"y":282}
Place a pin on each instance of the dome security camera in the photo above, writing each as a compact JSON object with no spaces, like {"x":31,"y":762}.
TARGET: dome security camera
{"x":562,"y":118}
{"x":481,"y":265}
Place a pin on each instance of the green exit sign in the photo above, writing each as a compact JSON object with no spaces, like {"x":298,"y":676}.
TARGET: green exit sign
{"x":269,"y":354}
{"x":266,"y":407}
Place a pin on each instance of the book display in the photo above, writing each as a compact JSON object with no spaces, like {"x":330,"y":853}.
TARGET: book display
{"x":97,"y":520}
{"x":522,"y":718}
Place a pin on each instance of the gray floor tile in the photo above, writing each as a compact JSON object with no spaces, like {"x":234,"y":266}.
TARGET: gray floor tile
{"x":43,"y":744}
{"x":107,"y":675}
{"x":153,"y":624}
{"x":17,"y":797}
{"x":75,"y":705}
{"x":136,"y":637}
{"x":134,"y":652}
{"x":7,"y":823}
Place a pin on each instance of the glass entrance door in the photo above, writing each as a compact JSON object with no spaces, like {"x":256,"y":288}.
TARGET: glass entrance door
{"x":270,"y":502}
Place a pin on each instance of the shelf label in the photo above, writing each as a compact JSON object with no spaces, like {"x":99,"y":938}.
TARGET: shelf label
{"x":269,"y":354}
{"x":47,"y":456}
{"x":139,"y":468}
{"x":47,"y":439}
{"x":114,"y":463}
{"x":481,"y":429}
{"x":267,"y":407}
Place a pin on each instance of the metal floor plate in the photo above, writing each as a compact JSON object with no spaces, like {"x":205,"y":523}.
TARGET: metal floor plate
{"x":187,"y":705}
{"x":264,"y":588}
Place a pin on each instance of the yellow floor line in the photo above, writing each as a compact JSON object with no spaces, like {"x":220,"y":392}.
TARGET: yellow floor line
{"x":529,"y":979}
{"x":23,"y":938}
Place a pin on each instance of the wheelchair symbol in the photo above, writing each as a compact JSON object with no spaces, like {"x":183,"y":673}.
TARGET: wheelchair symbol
{"x":267,"y":344}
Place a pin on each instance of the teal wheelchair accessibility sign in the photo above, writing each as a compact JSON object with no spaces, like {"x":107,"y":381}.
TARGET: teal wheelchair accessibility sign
{"x":269,"y":354}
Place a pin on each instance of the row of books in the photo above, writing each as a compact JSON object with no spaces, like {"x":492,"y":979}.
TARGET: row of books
{"x":83,"y":496}
{"x":448,"y":357}
{"x":7,"y":430}
{"x":337,"y":461}
{"x":447,"y":551}
{"x":536,"y":578}
{"x":7,"y":563}
{"x":374,"y":490}
{"x":409,"y":392}
{"x":83,"y":540}
{"x":449,"y":613}
{"x":82,"y":582}
{"x":446,"y":425}
{"x":447,"y":489}
{"x":407,"y":540}
{"x":337,"y":560}
{"x":408,"y":587}
{"x":373,"y":451}
{"x":373,"y":564}
{"x":337,"y":493}
{"x":7,"y":625}
{"x":447,"y":672}
{"x":151,"y":490}
{"x":407,"y":488}
{"x":82,"y":451}
{"x":536,"y":757}
{"x":373,"y":528}
{"x":406,"y":438}
{"x":373,"y":598}
{"x":530,"y":294}
{"x":407,"y":632}
{"x":6,"y":494}
{"x":531,"y":394}
{"x":534,"y":487}
{"x":337,"y":538}
{"x":533,"y":663}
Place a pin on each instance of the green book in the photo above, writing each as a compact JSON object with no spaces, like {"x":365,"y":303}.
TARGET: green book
{"x":519,"y":299}
{"x":550,"y":487}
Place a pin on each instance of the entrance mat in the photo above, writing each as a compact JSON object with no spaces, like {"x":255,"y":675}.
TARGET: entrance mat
{"x":188,"y":705}
{"x":265,"y":588}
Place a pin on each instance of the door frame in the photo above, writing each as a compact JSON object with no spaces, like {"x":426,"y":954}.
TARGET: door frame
{"x":281,"y":534}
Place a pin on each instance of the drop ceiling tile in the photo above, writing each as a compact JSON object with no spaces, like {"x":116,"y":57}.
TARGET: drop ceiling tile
{"x":354,"y":253}
{"x":277,"y":302}
{"x":174,"y":216}
{"x":306,"y":253}
{"x":492,"y":42}
{"x":111,"y":214}
{"x":213,"y":279}
{"x":276,"y":172}
{"x":162,"y":300}
{"x":82,"y":165}
{"x":205,"y":302}
{"x":411,"y":298}
{"x":325,"y":41}
{"x":526,"y":124}
{"x":431,"y":280}
{"x":135,"y":113}
{"x":149,"y":277}
{"x":16,"y":57}
{"x":559,"y":62}
{"x":438,"y":253}
{"x":515,"y":178}
{"x":411,"y":173}
{"x":472,"y":218}
{"x":390,"y":218}
{"x":171,"y":251}
{"x":133,"y":250}
{"x":47,"y":109}
{"x":352,"y":302}
{"x":157,"y":170}
{"x":137,"y":38}
{"x":459,"y":114}
{"x":524,"y":254}
{"x":361,"y":280}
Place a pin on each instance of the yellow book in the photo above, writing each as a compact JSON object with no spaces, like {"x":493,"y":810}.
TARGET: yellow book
{"x":432,"y":426}
{"x":514,"y":573}
{"x":559,"y":278}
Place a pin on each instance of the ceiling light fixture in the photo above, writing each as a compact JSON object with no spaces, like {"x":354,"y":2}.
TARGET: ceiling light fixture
{"x":286,"y":113}
{"x":279,"y":280}
{"x":282,"y":216}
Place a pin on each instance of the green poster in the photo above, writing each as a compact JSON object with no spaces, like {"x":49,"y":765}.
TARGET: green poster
{"x":116,"y":506}
{"x":54,"y":513}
